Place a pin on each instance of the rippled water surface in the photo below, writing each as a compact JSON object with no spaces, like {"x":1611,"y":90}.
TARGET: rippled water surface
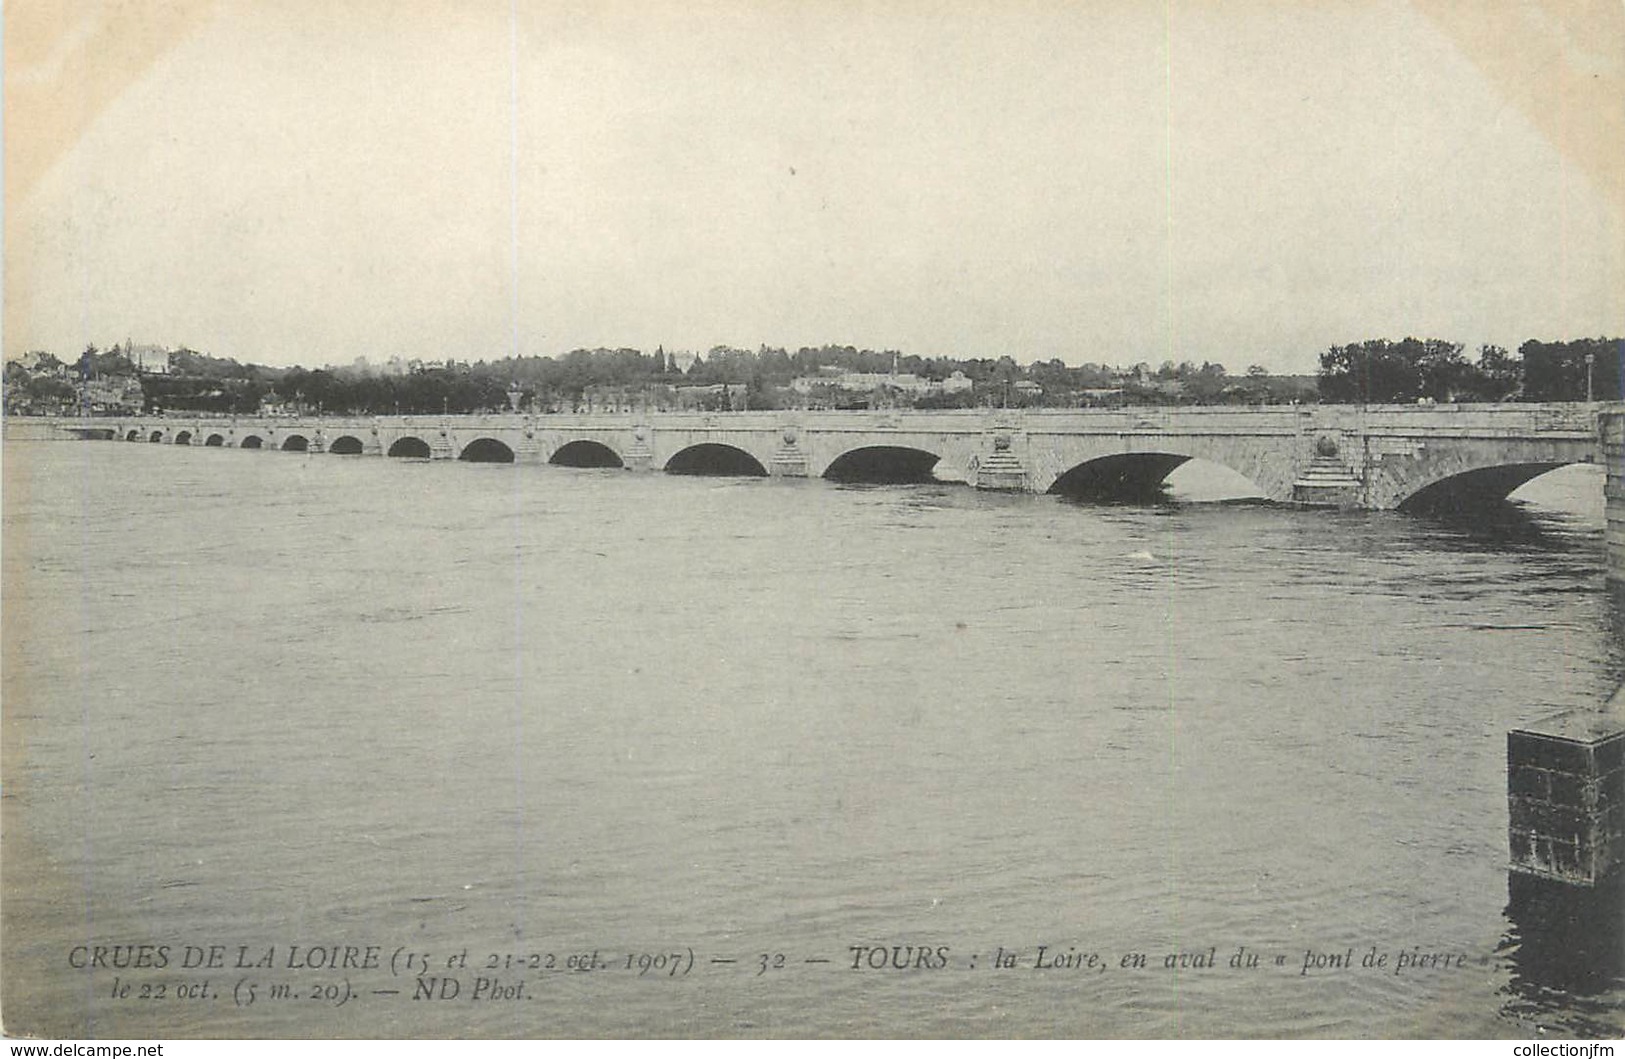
{"x":259,"y":699}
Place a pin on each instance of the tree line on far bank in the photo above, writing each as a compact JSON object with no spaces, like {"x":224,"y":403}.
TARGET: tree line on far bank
{"x":1383,"y":372}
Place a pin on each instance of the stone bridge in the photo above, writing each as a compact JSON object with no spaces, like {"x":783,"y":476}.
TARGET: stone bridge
{"x":1380,"y":456}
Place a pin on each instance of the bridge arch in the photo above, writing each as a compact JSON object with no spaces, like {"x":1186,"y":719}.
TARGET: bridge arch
{"x":1470,"y":473}
{"x":1121,"y":476}
{"x":132,"y":435}
{"x":585,"y":453}
{"x":253,"y":441}
{"x":183,"y":438}
{"x":410,"y":447}
{"x":156,"y":436}
{"x":296,"y":443}
{"x":1134,"y":467}
{"x":214,"y":441}
{"x":1143,"y":477}
{"x":486,"y":450}
{"x":1475,"y":489}
{"x":714,"y":459}
{"x":348,"y":445}
{"x":883,"y":464}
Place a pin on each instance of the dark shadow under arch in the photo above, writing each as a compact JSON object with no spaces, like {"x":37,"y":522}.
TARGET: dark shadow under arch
{"x":296,"y":443}
{"x":586,"y":454}
{"x":1125,"y":477}
{"x":252,"y":442}
{"x":1474,"y":490}
{"x":214,"y":441}
{"x":157,"y":436}
{"x":883,"y":464}
{"x":486,"y":450}
{"x":716,"y":460}
{"x":132,"y":435}
{"x":412,"y":448}
{"x":183,"y":438}
{"x":345,"y":446}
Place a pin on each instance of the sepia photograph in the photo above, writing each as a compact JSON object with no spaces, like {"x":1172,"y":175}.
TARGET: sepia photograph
{"x":813,"y":519}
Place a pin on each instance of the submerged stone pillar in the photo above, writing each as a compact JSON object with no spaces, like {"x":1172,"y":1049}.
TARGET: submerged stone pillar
{"x":1566,"y":795}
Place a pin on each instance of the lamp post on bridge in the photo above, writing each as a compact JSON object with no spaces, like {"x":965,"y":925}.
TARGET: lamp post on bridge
{"x":1591,"y":359}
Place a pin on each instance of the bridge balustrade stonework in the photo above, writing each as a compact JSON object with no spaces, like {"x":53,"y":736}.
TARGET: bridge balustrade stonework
{"x":1375,"y":457}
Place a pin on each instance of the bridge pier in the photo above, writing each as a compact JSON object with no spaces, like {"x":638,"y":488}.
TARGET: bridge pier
{"x":789,"y":458}
{"x":1327,"y":481}
{"x":639,"y":456}
{"x":526,"y":447}
{"x":999,"y":468}
{"x":440,"y":446}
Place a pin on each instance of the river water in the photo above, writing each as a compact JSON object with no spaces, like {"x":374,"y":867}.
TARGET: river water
{"x":513,"y":715}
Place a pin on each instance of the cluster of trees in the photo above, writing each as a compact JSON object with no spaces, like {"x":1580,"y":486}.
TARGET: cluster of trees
{"x":1384,"y":372}
{"x":44,"y":387}
{"x":1585,"y":369}
{"x":418,"y":393}
{"x":195,"y":393}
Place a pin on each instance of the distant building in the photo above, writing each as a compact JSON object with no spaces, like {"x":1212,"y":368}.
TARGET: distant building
{"x":35,"y":363}
{"x":148,"y":360}
{"x":271,"y":405}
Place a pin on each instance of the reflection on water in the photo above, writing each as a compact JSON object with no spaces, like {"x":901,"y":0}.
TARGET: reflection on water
{"x":1507,"y":525}
{"x":1565,"y":951}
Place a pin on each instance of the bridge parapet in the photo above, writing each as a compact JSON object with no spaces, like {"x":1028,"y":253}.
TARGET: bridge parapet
{"x":1375,"y":456}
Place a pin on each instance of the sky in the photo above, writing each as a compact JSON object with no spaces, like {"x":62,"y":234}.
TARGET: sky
{"x":1247,"y":182}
